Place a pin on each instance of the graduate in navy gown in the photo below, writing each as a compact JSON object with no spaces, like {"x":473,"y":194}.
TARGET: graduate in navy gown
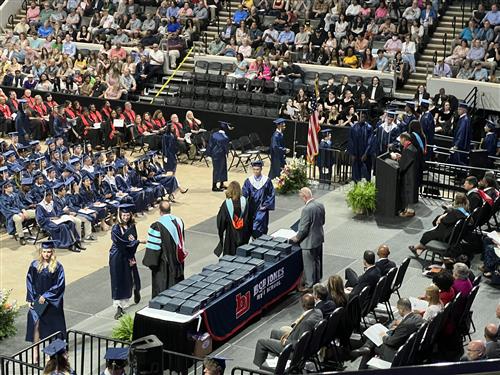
{"x":386,"y":134}
{"x":232,"y":221}
{"x":217,"y":149}
{"x":359,"y":148}
{"x":326,"y":157}
{"x":259,"y":191}
{"x":64,"y":235}
{"x":408,"y":117}
{"x":158,"y":175}
{"x":490,"y":139}
{"x":45,"y":284}
{"x":462,"y":136}
{"x":277,"y":149}
{"x":428,"y":127}
{"x":169,"y":149}
{"x":122,"y":264}
{"x":59,"y":362}
{"x":125,"y":185}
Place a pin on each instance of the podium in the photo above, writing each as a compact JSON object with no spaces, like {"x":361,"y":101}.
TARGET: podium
{"x":387,"y":183}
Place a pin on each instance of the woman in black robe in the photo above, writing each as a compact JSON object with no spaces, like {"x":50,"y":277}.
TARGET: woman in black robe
{"x":232,"y":221}
{"x":122,"y":263}
{"x":443,"y":224}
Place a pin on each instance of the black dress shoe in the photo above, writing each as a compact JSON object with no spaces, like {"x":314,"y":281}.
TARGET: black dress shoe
{"x":119,"y":313}
{"x":137,"y":296}
{"x":216,"y":189}
{"x":360,"y":352}
{"x":79,"y":246}
{"x":22,"y":241}
{"x":74,"y":249}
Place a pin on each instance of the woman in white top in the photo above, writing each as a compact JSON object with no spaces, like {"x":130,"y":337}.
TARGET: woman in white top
{"x":435,"y":305}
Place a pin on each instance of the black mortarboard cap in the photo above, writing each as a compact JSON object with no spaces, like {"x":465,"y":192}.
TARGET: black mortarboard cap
{"x":257,"y":163}
{"x":117,"y":356}
{"x":57,"y":346}
{"x":463,"y":104}
{"x":27,"y":181}
{"x":9,"y":153}
{"x":13,"y":134}
{"x":126,"y":207}
{"x":279,"y":121}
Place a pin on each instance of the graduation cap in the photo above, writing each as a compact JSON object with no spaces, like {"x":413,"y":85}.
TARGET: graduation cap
{"x":391,"y":114}
{"x":74,"y":160}
{"x":86,"y":176}
{"x":126,"y":207}
{"x":50,"y":168}
{"x":279,"y":121}
{"x":27,"y":181}
{"x":119,"y":164}
{"x":8,"y":154}
{"x":491,"y":124}
{"x":16,"y":168}
{"x":141,"y":158}
{"x":425,"y":102}
{"x":463,"y":105}
{"x":224,"y":125}
{"x":58,"y":186}
{"x":116,"y":357}
{"x":221,"y":361}
{"x":410,"y":103}
{"x":362,"y":110}
{"x":49,"y":141}
{"x":109,"y":167}
{"x":38,"y":175}
{"x":68,"y":168}
{"x":29,"y":161}
{"x":13,"y":134}
{"x":5,"y":183}
{"x":57,"y":346}
{"x":69,"y":181}
{"x":325,"y":132}
{"x":64,"y":150}
{"x":23,"y":147}
{"x":257,"y":163}
{"x":3,"y":169}
{"x":151,"y":153}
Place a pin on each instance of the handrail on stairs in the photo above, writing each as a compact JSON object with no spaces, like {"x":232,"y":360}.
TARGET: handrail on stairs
{"x":24,"y":5}
{"x":445,"y":44}
{"x":228,"y":7}
{"x":10,"y":20}
{"x":454,"y":25}
{"x":471,"y":99}
{"x":172,"y":75}
{"x":204,"y":38}
{"x":462,"y":8}
{"x":217,"y":21}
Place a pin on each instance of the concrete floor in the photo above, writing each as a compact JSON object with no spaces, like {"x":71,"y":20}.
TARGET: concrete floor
{"x":347,"y":236}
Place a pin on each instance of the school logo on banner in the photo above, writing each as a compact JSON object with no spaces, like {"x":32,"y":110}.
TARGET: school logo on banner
{"x":242,"y":303}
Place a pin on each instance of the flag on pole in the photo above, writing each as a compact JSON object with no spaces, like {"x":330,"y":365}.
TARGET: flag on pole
{"x":312,"y":134}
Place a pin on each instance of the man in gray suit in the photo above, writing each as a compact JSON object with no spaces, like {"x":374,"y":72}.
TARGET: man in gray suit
{"x":288,"y":335}
{"x":310,"y":236}
{"x":392,"y":341}
{"x":491,"y":342}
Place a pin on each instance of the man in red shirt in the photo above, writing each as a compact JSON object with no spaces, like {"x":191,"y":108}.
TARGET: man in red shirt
{"x":119,"y":52}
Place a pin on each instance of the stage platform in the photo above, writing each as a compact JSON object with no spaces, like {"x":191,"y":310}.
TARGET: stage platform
{"x":347,"y":237}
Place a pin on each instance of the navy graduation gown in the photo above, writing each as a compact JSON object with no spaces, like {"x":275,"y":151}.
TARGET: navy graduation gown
{"x":359,"y":145}
{"x":490,"y":143}
{"x":461,"y":141}
{"x":384,"y":138}
{"x":51,"y":286}
{"x":124,"y":277}
{"x":217,"y":149}
{"x":123,"y":183}
{"x":169,"y":183}
{"x":10,"y":205}
{"x":277,"y":154}
{"x":64,"y":235}
{"x":325,"y":161}
{"x":169,"y":151}
{"x":261,"y":200}
{"x":403,"y":125}
{"x":429,"y":128}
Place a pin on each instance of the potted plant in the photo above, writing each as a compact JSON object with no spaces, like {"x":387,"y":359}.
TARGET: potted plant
{"x":293,"y":177}
{"x":8,"y":313}
{"x":125,"y":328}
{"x":362,"y":198}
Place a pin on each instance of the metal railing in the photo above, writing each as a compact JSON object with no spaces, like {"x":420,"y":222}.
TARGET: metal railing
{"x":178,"y":363}
{"x":33,"y":354}
{"x":445,"y":44}
{"x":335,"y":166}
{"x":471,"y":100}
{"x":11,"y":366}
{"x":248,"y":371}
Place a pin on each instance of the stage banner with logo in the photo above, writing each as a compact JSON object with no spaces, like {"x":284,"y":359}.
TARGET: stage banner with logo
{"x":227,"y":315}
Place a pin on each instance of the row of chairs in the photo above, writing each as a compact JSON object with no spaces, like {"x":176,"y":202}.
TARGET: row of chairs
{"x":334,"y":332}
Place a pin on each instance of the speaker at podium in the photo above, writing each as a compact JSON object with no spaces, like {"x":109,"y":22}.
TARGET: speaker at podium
{"x":387,"y":184}
{"x":147,"y":356}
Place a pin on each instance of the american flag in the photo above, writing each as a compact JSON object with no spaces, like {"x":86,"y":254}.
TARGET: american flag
{"x":312,"y":134}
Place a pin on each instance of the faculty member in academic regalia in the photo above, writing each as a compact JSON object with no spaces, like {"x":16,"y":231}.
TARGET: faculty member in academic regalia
{"x":359,"y":148}
{"x":277,"y":150}
{"x":122,"y":263}
{"x":428,"y":126}
{"x":217,"y":149}
{"x":408,"y":174}
{"x":165,"y":250}
{"x":45,"y":284}
{"x":232,"y":221}
{"x":462,"y":136}
{"x":64,"y":234}
{"x":259,"y":191}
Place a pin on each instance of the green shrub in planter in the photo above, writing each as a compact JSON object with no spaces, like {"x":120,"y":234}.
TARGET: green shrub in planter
{"x":125,"y":328}
{"x":362,"y":197}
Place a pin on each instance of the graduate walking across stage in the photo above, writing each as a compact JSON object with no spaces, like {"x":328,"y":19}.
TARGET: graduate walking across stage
{"x":232,"y":221}
{"x":122,"y":263}
{"x":278,"y":150}
{"x":165,"y":250}
{"x":217,"y":149}
{"x":45,"y":284}
{"x":359,"y":148}
{"x":259,"y":191}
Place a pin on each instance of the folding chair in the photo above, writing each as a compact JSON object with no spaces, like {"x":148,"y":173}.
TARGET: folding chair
{"x":258,"y":145}
{"x":283,"y":361}
{"x":387,"y":292}
{"x":298,"y":360}
{"x":201,"y":66}
{"x":247,"y":147}
{"x":201,"y":148}
{"x":400,"y":275}
{"x":238,"y":155}
{"x":315,"y":344}
{"x":375,"y":298}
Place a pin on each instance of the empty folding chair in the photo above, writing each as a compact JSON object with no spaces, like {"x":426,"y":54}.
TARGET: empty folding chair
{"x":255,"y":85}
{"x":269,"y":87}
{"x":258,"y":111}
{"x":215,"y":80}
{"x":272,"y":101}
{"x":173,"y":100}
{"x":200,"y":79}
{"x":200,"y":66}
{"x":214,"y":106}
{"x":243,"y":97}
{"x":272,"y":112}
{"x":200,"y":92}
{"x":186,"y":102}
{"x":214,"y":68}
{"x":186,"y":91}
{"x":243,"y":109}
{"x":258,"y":99}
{"x":200,"y":104}
{"x":228,"y":96}
{"x":228,"y":107}
{"x":284,"y":88}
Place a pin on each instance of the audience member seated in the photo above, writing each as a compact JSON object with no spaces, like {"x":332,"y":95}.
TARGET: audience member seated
{"x":369,"y":278}
{"x":432,"y":296}
{"x":491,"y":341}
{"x":473,"y":197}
{"x":322,"y":302}
{"x":444,"y":281}
{"x":400,"y":331}
{"x":475,"y":351}
{"x":279,"y":338}
{"x":443,"y":224}
{"x":383,"y":263}
{"x":462,"y":283}
{"x":336,"y":291}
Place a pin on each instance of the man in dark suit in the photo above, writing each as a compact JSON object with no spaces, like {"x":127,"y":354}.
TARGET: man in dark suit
{"x":290,"y":335}
{"x":369,"y":278}
{"x":398,"y":334}
{"x":490,"y":338}
{"x":475,"y":200}
{"x":310,"y":236}
{"x":358,"y":88}
{"x":320,"y":293}
{"x":384,"y":264}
